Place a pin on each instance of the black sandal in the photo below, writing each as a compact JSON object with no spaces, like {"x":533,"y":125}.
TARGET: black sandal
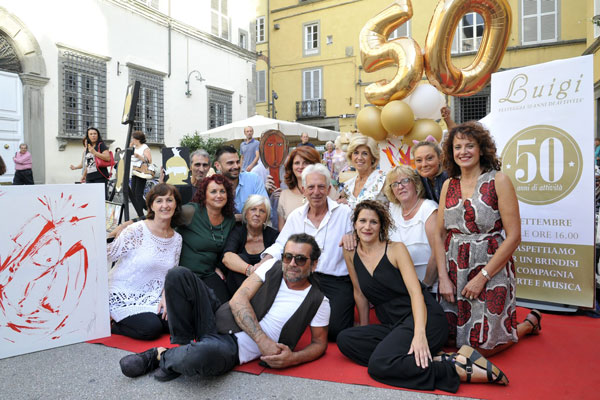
{"x":474,"y":357}
{"x":535,"y":328}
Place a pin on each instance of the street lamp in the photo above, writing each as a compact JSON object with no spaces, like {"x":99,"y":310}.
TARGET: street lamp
{"x":199,"y":77}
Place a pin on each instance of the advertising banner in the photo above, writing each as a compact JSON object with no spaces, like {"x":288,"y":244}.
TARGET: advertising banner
{"x":542,"y":119}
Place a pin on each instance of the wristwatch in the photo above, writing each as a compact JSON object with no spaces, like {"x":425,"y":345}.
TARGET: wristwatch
{"x":485,"y":273}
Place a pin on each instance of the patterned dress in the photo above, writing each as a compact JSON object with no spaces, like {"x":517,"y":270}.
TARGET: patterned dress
{"x":475,"y":232}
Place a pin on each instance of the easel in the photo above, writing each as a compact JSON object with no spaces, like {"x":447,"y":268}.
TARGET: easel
{"x":129,"y":110}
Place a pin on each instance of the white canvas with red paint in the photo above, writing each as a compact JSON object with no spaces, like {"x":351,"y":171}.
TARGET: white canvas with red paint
{"x":53,"y":268}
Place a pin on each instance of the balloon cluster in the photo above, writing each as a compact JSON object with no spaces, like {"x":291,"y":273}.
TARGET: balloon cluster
{"x":397,"y":118}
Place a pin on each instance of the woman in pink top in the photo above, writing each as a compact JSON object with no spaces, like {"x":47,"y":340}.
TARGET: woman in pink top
{"x":23,"y":173}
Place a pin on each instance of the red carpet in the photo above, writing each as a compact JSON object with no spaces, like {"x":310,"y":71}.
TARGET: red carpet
{"x":560,"y":363}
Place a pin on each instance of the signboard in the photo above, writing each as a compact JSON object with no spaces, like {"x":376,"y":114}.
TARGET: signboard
{"x":542,"y":119}
{"x":53,"y":272}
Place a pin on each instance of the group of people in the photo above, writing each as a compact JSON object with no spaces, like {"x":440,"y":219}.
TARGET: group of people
{"x":430,"y":249}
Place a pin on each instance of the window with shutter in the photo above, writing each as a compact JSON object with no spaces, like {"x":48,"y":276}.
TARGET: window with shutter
{"x":539,"y":21}
{"x":261,"y":86}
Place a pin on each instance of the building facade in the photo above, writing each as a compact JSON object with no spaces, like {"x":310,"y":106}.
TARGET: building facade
{"x":309,"y":52}
{"x":65,"y":65}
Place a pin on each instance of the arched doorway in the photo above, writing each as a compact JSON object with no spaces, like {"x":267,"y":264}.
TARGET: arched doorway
{"x":11,"y":107}
{"x":20,"y":55}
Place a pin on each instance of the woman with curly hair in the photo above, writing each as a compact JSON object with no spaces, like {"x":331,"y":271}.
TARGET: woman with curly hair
{"x":211,"y":218}
{"x":412,"y":326}
{"x":479,"y":228}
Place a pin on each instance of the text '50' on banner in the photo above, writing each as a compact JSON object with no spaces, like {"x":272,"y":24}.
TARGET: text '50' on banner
{"x":542,"y":118}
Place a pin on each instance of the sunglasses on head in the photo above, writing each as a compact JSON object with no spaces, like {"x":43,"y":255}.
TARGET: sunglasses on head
{"x":299,"y":258}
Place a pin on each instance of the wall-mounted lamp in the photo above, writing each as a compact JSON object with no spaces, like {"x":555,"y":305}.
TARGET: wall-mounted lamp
{"x":276,"y":26}
{"x":199,"y":77}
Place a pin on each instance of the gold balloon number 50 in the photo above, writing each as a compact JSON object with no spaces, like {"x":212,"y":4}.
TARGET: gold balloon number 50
{"x":377,"y":52}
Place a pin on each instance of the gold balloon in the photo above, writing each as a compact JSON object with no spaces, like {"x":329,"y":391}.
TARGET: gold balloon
{"x":438,"y":65}
{"x":397,"y":118}
{"x":369,"y":123}
{"x":377,"y":52}
{"x":421,"y":130}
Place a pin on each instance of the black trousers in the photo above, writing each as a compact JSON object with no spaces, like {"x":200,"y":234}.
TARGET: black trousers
{"x":137,"y":188}
{"x":218,"y":286}
{"x":191,"y":305}
{"x":339,"y":291}
{"x":384,"y":350}
{"x":143,"y":326}
{"x":100,"y":179}
{"x":23,"y":177}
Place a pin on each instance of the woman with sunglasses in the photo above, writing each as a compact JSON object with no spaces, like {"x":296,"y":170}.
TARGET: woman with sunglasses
{"x":398,"y":351}
{"x":415,"y":219}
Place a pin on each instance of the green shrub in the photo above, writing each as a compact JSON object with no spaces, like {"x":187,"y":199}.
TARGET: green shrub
{"x":195,"y":142}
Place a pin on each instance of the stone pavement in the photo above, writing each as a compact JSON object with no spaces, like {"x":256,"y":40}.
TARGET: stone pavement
{"x":91,"y":371}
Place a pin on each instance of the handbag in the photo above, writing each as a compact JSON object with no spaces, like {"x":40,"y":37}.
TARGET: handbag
{"x":100,"y":163}
{"x":145,"y":171}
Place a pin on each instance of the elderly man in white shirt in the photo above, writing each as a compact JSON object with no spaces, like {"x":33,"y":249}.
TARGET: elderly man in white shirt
{"x":328,"y":222}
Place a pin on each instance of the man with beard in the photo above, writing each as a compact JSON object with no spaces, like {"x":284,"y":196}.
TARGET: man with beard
{"x":265,"y":318}
{"x":227,"y":161}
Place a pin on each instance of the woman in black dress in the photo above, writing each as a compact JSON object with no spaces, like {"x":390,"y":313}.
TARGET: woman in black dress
{"x":412,"y":324}
{"x":247,"y":241}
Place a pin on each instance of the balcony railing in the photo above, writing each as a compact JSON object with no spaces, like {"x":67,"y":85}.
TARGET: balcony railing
{"x":310,"y":109}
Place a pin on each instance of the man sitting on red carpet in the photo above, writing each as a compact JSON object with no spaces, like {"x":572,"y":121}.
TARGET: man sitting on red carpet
{"x":215,"y":339}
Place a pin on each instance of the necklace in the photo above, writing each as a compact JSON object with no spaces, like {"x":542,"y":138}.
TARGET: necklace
{"x":220,"y":232}
{"x":412,"y":209}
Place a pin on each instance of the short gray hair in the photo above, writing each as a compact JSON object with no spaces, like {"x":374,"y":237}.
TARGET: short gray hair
{"x":316,"y":169}
{"x":201,"y":153}
{"x":256,"y":200}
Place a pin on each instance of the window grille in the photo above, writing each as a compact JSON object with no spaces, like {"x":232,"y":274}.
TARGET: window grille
{"x":149,"y":115}
{"x":472,"y":108}
{"x":219,"y":108}
{"x":83,"y":97}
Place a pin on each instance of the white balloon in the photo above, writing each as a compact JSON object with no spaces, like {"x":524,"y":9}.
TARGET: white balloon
{"x":437,"y":115}
{"x":425,"y":102}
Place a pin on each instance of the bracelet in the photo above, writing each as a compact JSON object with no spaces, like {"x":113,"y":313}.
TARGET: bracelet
{"x":248,"y":269}
{"x":485,"y":273}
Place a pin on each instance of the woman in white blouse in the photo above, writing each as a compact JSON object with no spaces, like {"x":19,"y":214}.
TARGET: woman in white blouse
{"x":145,"y":252}
{"x":363,"y":154}
{"x":414,"y":219}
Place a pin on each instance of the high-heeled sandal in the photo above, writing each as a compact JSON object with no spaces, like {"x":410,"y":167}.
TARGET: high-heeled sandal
{"x":474,"y":357}
{"x":537,"y":327}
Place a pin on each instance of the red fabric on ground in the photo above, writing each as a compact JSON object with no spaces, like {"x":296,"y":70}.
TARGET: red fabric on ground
{"x":560,"y":363}
{"x":137,"y":346}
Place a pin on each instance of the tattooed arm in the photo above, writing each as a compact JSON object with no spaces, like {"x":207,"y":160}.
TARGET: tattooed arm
{"x":246,"y":317}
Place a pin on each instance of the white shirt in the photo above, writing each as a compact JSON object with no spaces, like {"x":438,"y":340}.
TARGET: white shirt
{"x":412,"y":233}
{"x":328,"y":235}
{"x":285,"y":305}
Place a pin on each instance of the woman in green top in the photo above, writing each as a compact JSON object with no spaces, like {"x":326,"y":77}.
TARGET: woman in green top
{"x":211,"y":216}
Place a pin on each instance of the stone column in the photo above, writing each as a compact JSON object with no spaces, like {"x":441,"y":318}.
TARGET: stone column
{"x":33,"y":122}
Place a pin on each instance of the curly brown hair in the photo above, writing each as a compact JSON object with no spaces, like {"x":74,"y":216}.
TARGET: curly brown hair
{"x":383,"y":214}
{"x":200,"y":196}
{"x":308,"y":153}
{"x":472,"y":130}
{"x":163,"y":189}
